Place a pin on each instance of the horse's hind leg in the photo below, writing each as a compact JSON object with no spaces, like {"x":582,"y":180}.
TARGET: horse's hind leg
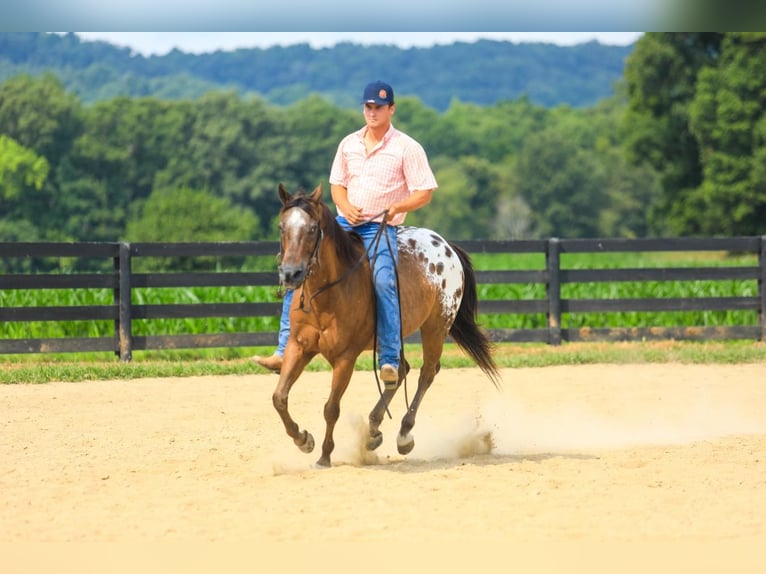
{"x":405,"y":442}
{"x":375,"y":437}
{"x":432,"y":351}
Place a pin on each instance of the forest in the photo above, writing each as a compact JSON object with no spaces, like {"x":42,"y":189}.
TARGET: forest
{"x":678,"y":149}
{"x":484,"y":72}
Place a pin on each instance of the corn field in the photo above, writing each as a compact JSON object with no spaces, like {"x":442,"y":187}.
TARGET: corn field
{"x":727,"y":288}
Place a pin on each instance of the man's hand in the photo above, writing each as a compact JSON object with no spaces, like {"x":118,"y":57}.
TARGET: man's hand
{"x":353,"y":214}
{"x":393,"y":210}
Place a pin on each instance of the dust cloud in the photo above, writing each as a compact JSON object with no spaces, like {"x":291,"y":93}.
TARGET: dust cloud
{"x":510,"y":425}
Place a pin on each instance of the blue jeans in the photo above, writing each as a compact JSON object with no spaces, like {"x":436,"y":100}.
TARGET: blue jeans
{"x":389,"y":322}
{"x":284,"y":323}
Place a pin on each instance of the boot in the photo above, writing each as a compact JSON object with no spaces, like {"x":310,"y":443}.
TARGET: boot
{"x":272,"y":363}
{"x":389,"y":375}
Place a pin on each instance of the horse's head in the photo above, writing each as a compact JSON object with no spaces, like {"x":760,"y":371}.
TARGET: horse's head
{"x":300,"y":232}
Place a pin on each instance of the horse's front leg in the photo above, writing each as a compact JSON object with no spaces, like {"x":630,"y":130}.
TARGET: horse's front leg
{"x":295,"y":360}
{"x":342,"y":370}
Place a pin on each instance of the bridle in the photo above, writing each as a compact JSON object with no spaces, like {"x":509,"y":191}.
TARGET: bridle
{"x":304,"y":305}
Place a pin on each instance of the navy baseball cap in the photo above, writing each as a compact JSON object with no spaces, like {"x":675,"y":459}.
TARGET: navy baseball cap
{"x":378,"y":93}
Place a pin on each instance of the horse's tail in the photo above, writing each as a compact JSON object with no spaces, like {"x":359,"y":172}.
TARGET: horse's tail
{"x":465,"y":331}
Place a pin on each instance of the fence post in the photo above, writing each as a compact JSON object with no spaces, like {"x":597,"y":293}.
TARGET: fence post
{"x":762,"y":289}
{"x":124,"y":325}
{"x":553,"y":289}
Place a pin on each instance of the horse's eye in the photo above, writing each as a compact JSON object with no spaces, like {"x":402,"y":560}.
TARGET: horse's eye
{"x":313,"y":228}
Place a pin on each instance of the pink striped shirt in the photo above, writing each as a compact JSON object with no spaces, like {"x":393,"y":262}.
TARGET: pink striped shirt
{"x":394,"y":169}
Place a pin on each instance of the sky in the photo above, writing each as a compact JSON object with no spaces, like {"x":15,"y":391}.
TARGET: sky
{"x":159,"y":43}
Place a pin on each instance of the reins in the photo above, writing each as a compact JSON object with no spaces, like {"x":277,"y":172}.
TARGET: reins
{"x":306,"y":306}
{"x":375,"y":243}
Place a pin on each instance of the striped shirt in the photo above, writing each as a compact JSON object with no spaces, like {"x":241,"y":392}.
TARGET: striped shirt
{"x":394,"y":169}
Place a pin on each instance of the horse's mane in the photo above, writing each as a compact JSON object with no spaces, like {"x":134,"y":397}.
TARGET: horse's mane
{"x":348,"y":244}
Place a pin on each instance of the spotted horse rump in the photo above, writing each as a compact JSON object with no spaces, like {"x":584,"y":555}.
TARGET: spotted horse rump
{"x":438,"y":263}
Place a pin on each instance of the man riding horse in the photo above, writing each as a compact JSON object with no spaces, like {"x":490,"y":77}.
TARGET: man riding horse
{"x":378,"y":175}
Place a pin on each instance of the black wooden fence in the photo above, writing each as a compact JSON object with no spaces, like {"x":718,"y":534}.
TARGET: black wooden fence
{"x":122,"y":281}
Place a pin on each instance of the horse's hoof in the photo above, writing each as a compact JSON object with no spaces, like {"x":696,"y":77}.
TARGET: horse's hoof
{"x":308,"y":442}
{"x":405,"y":444}
{"x":374,"y":440}
{"x":322,"y":463}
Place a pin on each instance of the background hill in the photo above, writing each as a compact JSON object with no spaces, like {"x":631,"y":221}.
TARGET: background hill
{"x":483,"y":72}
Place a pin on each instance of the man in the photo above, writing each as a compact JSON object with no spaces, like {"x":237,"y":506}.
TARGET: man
{"x":378,"y":173}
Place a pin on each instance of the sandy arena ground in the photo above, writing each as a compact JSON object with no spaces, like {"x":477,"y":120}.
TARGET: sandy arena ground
{"x":669,"y":454}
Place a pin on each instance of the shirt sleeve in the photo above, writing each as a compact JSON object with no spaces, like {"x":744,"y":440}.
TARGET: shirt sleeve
{"x":417,"y":171}
{"x":338,"y":171}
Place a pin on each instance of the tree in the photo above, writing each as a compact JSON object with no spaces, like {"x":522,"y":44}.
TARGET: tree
{"x":183,"y":214}
{"x":631,"y":192}
{"x":21,"y":172}
{"x":660,"y":81}
{"x":40,"y":115}
{"x":728,"y":118}
{"x":562,"y":184}
{"x":115,"y":161}
{"x":20,"y":169}
{"x":233,"y":148}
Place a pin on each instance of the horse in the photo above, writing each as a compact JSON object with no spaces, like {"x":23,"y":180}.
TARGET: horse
{"x":333,"y":311}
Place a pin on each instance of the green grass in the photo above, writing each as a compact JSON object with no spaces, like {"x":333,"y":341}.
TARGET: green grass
{"x":49,"y":368}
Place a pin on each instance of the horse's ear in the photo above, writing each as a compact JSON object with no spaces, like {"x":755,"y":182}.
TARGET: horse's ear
{"x":284,"y":195}
{"x":316,"y":195}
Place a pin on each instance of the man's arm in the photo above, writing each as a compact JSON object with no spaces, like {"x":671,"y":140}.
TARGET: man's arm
{"x":352,"y":213}
{"x":415,"y":200}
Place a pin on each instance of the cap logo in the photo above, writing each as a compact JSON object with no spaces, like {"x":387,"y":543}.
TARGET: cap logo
{"x":382,"y":95}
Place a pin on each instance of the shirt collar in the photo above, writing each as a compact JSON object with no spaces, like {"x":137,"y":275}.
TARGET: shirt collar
{"x":387,"y":136}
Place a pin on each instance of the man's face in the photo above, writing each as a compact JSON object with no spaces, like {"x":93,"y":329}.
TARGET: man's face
{"x":377,"y":115}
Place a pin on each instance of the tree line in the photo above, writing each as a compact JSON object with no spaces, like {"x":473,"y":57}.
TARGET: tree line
{"x":482,"y":72}
{"x":680,"y":149}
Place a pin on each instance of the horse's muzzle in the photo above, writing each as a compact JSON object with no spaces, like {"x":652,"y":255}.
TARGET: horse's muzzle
{"x":292,"y":276}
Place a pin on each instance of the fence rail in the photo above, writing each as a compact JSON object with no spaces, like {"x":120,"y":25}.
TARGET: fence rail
{"x":123,"y":282}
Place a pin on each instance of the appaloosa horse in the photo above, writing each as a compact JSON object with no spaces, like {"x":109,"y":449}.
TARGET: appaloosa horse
{"x":333,"y":310}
